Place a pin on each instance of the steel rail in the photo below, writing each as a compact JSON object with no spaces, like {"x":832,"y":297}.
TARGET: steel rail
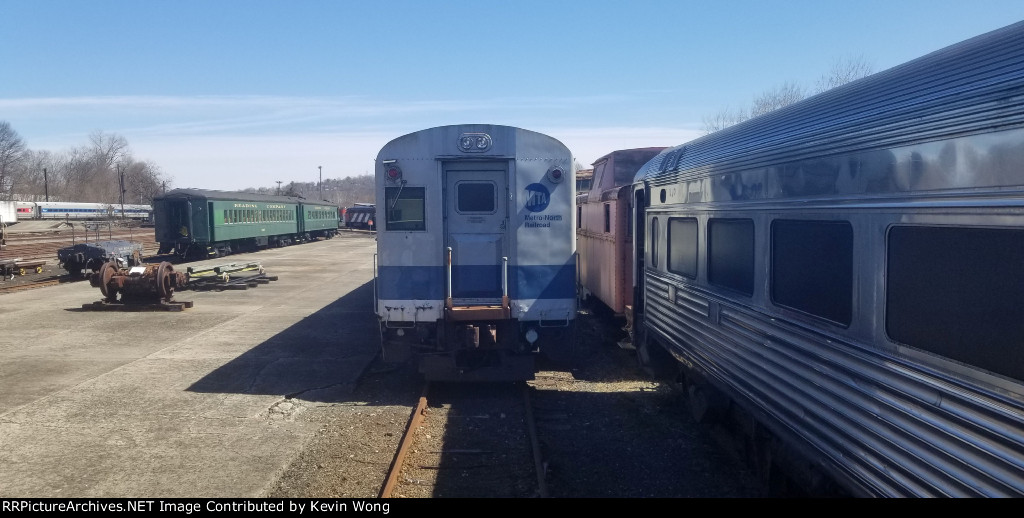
{"x":403,"y":448}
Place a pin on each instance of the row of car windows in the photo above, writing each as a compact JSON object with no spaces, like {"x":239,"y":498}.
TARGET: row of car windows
{"x":321,"y":214}
{"x":257,"y":216}
{"x":954,"y":291}
{"x":272,"y":215}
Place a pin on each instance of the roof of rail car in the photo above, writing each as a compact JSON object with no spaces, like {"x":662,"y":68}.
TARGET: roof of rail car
{"x":466,"y":128}
{"x":904,"y":104}
{"x":625,"y":164}
{"x":229,"y":196}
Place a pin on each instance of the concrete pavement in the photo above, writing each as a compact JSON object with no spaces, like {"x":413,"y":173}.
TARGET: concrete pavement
{"x":213,"y":401}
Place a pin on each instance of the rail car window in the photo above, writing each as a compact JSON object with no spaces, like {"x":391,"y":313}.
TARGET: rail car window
{"x":956,"y":292}
{"x":475,"y":197}
{"x":579,"y":217}
{"x":682,"y":246}
{"x":654,"y":243}
{"x":731,"y":254}
{"x":812,"y":268}
{"x":405,"y":208}
{"x":607,"y":217}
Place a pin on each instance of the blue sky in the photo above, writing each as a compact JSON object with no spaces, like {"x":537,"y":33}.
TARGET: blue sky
{"x":234,"y":94}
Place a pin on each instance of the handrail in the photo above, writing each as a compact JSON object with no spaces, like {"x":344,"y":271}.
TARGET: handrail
{"x":504,"y":277}
{"x":376,"y":301}
{"x":449,"y":293}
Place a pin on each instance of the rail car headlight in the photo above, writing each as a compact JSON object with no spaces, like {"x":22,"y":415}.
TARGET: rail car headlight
{"x":474,"y":142}
{"x":555,"y":174}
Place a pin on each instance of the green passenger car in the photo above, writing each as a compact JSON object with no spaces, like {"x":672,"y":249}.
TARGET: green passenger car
{"x":319,"y":220}
{"x":238,"y":219}
{"x":197,"y":224}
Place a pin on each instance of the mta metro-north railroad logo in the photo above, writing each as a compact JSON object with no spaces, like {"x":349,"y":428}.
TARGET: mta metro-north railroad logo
{"x":537,"y":197}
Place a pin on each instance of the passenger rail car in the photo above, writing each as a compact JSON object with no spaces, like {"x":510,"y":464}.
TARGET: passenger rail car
{"x":197,"y":224}
{"x":476,"y":251}
{"x":42,"y":210}
{"x":844,"y":274}
{"x":603,"y":233}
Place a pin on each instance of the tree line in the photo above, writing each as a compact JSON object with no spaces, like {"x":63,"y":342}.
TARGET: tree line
{"x":94,"y":172}
{"x":100,"y":171}
{"x":843,"y":71}
{"x":343,"y":192}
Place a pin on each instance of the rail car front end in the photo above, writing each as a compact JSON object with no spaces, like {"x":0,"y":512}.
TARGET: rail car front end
{"x":476,"y":260}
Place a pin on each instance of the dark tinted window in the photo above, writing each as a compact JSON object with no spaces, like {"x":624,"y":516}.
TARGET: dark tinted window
{"x":405,"y":208}
{"x":476,"y":197}
{"x":731,"y":254}
{"x":959,"y":293}
{"x":607,"y":217}
{"x":812,"y":267}
{"x":682,"y":246}
{"x":654,"y":243}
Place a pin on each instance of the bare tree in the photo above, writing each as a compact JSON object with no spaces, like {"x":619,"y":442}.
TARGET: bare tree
{"x":765,"y":102}
{"x":723,"y":119}
{"x":12,"y":152}
{"x":142,"y":181}
{"x":343,"y":192}
{"x":778,"y":97}
{"x":35,"y":175}
{"x":844,"y":70}
{"x":107,"y":149}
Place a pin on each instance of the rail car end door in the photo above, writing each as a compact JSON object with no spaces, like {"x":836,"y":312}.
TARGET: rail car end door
{"x":476,"y":230}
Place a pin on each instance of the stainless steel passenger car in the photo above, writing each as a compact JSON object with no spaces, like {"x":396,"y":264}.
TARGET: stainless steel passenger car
{"x":476,"y":247}
{"x":847,"y":272}
{"x":34,"y":210}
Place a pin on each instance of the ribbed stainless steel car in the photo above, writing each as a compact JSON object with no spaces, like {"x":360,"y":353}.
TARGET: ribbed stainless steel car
{"x":844,"y":276}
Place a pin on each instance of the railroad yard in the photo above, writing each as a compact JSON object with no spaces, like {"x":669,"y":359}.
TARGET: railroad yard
{"x":279,"y":391}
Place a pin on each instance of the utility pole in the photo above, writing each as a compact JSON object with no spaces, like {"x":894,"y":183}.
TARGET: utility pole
{"x":120,"y":175}
{"x":279,"y":187}
{"x":321,"y":182}
{"x":46,"y":185}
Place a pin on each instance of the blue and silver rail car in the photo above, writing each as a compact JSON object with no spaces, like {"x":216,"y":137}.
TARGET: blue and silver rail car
{"x":476,"y":251}
{"x":845,"y":276}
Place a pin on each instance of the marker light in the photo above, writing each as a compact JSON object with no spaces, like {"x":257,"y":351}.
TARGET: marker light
{"x":394,"y":173}
{"x":555,"y":174}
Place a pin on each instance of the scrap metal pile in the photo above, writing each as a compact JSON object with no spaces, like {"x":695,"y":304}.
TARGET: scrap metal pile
{"x":152,"y":286}
{"x":228,"y":277}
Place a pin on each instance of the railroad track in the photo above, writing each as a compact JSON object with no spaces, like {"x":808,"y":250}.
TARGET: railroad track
{"x":31,"y":285}
{"x":469,"y":441}
{"x":44,"y":245}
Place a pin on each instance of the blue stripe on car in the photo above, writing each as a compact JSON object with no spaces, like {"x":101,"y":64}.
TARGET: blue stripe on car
{"x":430,"y":282}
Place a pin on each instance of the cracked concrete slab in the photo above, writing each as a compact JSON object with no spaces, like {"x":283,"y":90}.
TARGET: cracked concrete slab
{"x":213,"y":401}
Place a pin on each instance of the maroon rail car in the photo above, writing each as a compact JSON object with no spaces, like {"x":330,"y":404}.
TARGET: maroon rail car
{"x":603,"y":231}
